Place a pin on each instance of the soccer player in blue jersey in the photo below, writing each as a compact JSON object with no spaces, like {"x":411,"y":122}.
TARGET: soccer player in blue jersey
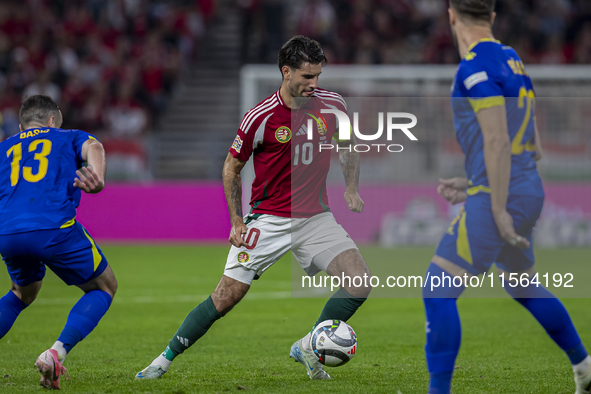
{"x":494,"y":114}
{"x":41,"y":175}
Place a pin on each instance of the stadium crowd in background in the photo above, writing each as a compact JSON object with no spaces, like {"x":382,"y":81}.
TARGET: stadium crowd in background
{"x":110,"y":65}
{"x":413,"y":31}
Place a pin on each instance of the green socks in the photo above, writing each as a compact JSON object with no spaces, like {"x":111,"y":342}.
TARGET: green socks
{"x":196,"y":324}
{"x":340,"y":306}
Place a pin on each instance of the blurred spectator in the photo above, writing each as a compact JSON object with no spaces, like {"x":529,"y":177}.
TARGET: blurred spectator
{"x":274,"y":37}
{"x":317,"y":20}
{"x":125,"y":118}
{"x":111,"y":65}
{"x":417,"y":31}
{"x":43,"y":85}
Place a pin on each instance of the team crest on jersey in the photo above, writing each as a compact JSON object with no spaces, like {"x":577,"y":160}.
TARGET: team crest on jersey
{"x":322,"y":129}
{"x":283,"y":134}
{"x":243,"y":257}
{"x":237,"y":144}
{"x":320,"y":122}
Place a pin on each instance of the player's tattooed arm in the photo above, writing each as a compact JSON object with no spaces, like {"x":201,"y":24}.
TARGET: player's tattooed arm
{"x":349,"y":159}
{"x":233,"y":191}
{"x":236,"y":195}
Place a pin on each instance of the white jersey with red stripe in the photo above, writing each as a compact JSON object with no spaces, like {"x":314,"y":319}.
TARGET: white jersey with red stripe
{"x":290,"y":169}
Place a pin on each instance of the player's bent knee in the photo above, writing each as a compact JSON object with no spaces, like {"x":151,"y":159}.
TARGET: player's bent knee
{"x":228,"y":293}
{"x":112,"y":287}
{"x":27,"y":294}
{"x":107,"y":282}
{"x":520,"y":292}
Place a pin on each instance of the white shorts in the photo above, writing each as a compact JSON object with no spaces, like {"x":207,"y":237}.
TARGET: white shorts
{"x":269,"y":237}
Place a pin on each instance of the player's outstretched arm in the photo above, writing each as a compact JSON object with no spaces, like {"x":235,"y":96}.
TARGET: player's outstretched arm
{"x":497,"y":158}
{"x":350,"y":166}
{"x":233,"y":190}
{"x":91,"y":179}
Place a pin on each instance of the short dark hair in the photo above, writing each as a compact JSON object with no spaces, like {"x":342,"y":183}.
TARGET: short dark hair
{"x":299,"y":50}
{"x":475,"y":10}
{"x":38,"y":108}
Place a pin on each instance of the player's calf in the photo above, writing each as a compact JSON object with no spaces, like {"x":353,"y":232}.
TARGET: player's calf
{"x":443,"y":330}
{"x":553,"y":316}
{"x":227,"y":294}
{"x":347,"y":266}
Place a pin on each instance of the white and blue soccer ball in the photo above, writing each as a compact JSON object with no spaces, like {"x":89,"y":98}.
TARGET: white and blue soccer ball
{"x":334,"y":342}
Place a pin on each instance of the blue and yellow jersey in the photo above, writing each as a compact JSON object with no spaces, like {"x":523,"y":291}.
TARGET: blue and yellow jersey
{"x":37,"y":171}
{"x":490,"y":75}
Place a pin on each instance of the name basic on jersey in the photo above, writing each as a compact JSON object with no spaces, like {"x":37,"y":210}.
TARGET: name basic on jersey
{"x":345,"y":131}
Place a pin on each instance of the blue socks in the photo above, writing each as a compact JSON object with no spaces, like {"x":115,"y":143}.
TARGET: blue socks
{"x":10,"y":307}
{"x":444,"y":332}
{"x":553,"y":316}
{"x":84,"y":317}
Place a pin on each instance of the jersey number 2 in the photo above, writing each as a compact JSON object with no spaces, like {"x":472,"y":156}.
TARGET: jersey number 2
{"x":17,"y":154}
{"x":517,"y":145}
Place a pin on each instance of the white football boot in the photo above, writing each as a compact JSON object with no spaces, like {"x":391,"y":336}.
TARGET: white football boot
{"x":583,"y":382}
{"x":301,"y":352}
{"x":151,"y":372}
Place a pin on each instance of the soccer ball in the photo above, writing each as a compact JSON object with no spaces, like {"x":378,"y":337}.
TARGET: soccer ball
{"x":334,"y":342}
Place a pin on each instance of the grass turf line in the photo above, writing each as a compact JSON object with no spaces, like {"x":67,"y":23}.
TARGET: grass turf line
{"x":503,"y":349}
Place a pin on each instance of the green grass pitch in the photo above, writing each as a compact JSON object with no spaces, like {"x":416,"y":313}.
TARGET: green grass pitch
{"x":503,"y":349}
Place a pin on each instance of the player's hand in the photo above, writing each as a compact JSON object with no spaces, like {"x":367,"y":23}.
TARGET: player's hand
{"x":88,"y":181}
{"x":237,"y":232}
{"x":457,"y":183}
{"x":453,"y":190}
{"x":355,"y":202}
{"x":505,"y":225}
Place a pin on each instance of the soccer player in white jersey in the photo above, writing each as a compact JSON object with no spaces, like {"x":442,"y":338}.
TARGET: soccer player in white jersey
{"x":289,"y":205}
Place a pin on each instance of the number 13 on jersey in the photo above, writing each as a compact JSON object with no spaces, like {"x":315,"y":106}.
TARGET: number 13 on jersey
{"x":17,"y":154}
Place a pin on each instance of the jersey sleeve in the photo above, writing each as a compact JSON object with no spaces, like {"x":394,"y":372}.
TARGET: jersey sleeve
{"x":80,"y":137}
{"x":480,"y":84}
{"x":243,"y":144}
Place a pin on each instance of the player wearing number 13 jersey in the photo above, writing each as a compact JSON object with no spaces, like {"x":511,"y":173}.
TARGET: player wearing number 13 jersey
{"x":493,"y":102}
{"x":39,"y":192}
{"x":289,"y":204}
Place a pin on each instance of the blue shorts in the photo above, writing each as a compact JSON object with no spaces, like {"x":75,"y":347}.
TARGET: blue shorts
{"x":70,"y":253}
{"x":474,"y":243}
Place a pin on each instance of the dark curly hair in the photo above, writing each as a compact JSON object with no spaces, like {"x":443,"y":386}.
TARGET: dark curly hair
{"x":476,"y":10}
{"x":299,"y":50}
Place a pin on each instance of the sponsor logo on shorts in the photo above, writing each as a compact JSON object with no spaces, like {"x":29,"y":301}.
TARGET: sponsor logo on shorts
{"x":237,"y":144}
{"x":243,"y":257}
{"x":283,"y":134}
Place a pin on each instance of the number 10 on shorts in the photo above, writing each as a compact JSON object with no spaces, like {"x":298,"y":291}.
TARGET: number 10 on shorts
{"x":253,"y":231}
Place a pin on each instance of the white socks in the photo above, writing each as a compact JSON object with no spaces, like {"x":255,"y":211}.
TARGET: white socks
{"x":582,"y":368}
{"x":61,"y":352}
{"x":162,"y":361}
